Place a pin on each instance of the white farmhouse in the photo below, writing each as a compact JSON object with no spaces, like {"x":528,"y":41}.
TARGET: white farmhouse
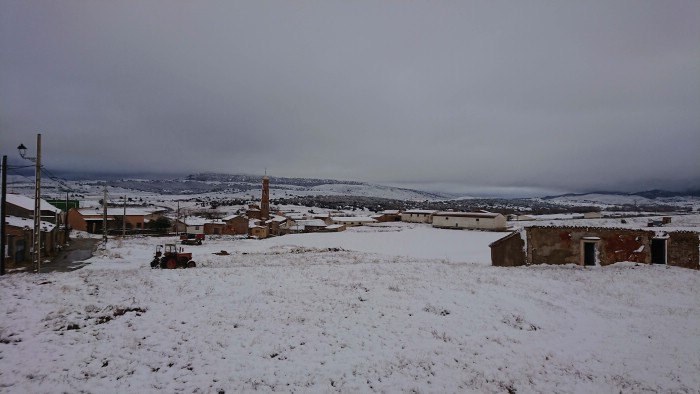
{"x":195,"y":224}
{"x":470,"y":220}
{"x":418,"y":216}
{"x":350,"y":221}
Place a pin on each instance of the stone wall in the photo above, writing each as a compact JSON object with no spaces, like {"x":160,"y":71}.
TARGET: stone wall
{"x":563,"y":245}
{"x":508,"y":251}
{"x":682,"y":249}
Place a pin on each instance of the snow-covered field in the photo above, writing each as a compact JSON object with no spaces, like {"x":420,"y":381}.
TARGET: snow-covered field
{"x":395,"y":308}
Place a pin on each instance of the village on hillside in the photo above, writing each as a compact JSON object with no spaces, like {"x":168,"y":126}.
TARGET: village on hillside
{"x":526,"y":241}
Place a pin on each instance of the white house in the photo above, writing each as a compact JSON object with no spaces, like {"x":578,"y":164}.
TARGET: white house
{"x":470,"y":220}
{"x":195,"y":225}
{"x":417,"y":216}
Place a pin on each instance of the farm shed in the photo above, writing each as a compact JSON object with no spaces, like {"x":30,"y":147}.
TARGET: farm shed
{"x":388,"y":216}
{"x":470,"y":220}
{"x":597,"y":246}
{"x":418,"y":216}
{"x":350,"y":221}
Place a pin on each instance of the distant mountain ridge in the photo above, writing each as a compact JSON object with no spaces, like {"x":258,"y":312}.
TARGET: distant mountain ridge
{"x":202,"y":183}
{"x":240,"y":178}
{"x":650,"y":194}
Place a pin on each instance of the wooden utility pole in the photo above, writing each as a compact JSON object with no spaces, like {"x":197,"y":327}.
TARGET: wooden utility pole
{"x":104,"y":217}
{"x":3,"y":198}
{"x":66,"y":232}
{"x":37,"y":207}
{"x":124,"y":220}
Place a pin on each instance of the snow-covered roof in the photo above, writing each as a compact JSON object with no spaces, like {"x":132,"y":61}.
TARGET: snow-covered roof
{"x":15,"y":221}
{"x":312,"y":223}
{"x":229,"y":217}
{"x":420,"y":211}
{"x":278,"y":219}
{"x":353,"y":219}
{"x":28,"y":203}
{"x":252,"y":223}
{"x":334,"y":226}
{"x":114,"y":211}
{"x":390,"y":212}
{"x":196,"y":221}
{"x":469,"y":214}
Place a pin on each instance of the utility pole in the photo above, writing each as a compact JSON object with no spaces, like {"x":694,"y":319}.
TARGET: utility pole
{"x":3,"y":198}
{"x":177,"y":219}
{"x":124,"y":220}
{"x":36,"y":235}
{"x":66,"y":232}
{"x":37,"y":207}
{"x":104,"y":217}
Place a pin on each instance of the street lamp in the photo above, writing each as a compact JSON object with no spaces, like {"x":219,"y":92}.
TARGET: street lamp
{"x":23,"y":151}
{"x":36,"y":255}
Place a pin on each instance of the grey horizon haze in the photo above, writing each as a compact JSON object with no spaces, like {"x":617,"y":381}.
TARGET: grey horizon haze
{"x":467,"y":97}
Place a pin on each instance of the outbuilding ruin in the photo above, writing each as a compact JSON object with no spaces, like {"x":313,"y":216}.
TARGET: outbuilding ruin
{"x":591,"y":246}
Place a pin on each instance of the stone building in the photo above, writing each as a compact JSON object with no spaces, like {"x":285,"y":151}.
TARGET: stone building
{"x":590,"y":246}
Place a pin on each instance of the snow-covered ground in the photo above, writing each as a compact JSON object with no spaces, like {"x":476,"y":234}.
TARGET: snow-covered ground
{"x":392,"y":308}
{"x":609,"y":200}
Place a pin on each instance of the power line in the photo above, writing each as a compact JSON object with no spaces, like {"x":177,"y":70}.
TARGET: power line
{"x":57,"y":179}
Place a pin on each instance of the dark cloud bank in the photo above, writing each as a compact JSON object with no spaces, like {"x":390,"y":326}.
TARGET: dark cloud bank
{"x":456,"y":96}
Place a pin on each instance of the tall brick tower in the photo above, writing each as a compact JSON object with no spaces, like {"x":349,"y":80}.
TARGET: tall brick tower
{"x":265,"y":201}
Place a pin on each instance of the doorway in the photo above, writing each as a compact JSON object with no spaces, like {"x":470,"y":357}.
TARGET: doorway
{"x":658,"y":251}
{"x":589,"y":253}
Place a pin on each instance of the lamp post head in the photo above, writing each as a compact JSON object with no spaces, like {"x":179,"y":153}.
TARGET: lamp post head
{"x":22,"y":150}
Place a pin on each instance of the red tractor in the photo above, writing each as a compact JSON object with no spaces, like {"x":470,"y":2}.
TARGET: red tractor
{"x":171,"y":257}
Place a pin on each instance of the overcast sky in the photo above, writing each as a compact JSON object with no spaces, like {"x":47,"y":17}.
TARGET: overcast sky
{"x":458,"y":95}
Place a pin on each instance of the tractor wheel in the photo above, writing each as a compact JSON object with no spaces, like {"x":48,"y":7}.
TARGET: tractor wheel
{"x":163,"y":262}
{"x":191,"y":264}
{"x":199,"y":242}
{"x":155,"y":263}
{"x":171,"y":263}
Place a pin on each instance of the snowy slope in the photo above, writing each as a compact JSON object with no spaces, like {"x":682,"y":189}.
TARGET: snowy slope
{"x":608,"y":200}
{"x":397,"y":309}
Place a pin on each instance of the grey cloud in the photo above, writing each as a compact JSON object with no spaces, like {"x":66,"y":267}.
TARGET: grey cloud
{"x":593,"y":95}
